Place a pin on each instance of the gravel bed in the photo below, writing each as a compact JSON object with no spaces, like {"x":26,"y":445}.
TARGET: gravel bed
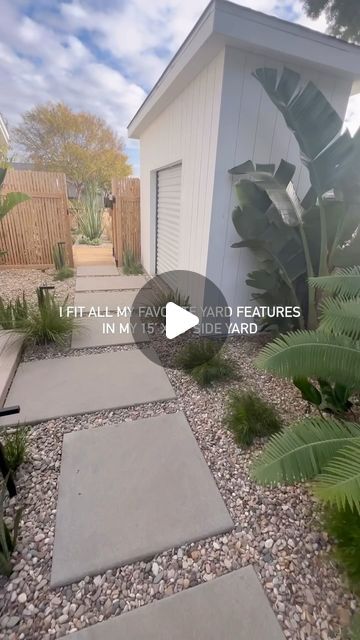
{"x":13,"y":282}
{"x":276,"y":530}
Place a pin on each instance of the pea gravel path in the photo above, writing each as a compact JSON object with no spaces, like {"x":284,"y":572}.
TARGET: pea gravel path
{"x":276,"y":530}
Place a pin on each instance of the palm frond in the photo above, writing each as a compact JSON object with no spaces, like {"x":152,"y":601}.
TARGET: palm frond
{"x":345,"y":282}
{"x":339,"y":484}
{"x":313,"y":354}
{"x":301,"y":451}
{"x":341,"y":316}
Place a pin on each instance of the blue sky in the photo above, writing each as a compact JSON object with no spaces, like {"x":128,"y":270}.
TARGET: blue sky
{"x":101,"y":55}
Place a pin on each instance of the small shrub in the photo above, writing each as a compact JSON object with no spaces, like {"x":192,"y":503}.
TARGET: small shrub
{"x":353,"y":632}
{"x":160,"y":302}
{"x":64,"y":273}
{"x":13,"y":314}
{"x":248,"y":417}
{"x":8,"y":536}
{"x":94,"y":242}
{"x":344,"y":526}
{"x":59,"y":256}
{"x":131,"y":266}
{"x":202,"y":360}
{"x":15,"y":447}
{"x":45,"y":324}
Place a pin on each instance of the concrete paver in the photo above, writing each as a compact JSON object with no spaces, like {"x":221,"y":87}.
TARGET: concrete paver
{"x":130,"y":491}
{"x":56,"y":387}
{"x":233,"y":607}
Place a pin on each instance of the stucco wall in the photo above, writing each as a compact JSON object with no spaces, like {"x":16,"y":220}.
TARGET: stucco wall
{"x":251,"y":128}
{"x":186,"y":132}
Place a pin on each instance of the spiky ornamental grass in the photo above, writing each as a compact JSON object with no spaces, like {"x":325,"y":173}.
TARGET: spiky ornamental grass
{"x":64,"y":273}
{"x":248,"y":417}
{"x":203,"y":361}
{"x":46,"y":324}
{"x":131,"y":266}
{"x":15,"y":447}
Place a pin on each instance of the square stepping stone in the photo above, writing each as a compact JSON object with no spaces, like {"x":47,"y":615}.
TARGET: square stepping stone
{"x":98,"y":270}
{"x":110,"y":300}
{"x":109,"y":283}
{"x":130,"y":491}
{"x":233,"y":607}
{"x":47,"y":389}
{"x":91,"y":333}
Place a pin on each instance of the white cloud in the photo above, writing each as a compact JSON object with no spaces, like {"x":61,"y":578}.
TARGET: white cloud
{"x":103,"y":56}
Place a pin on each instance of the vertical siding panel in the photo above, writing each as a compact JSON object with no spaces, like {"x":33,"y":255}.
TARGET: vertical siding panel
{"x":186,"y":131}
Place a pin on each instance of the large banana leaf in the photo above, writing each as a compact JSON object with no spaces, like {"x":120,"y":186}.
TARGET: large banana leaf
{"x":332,"y":157}
{"x":339,"y":484}
{"x":345,"y":282}
{"x":276,"y":187}
{"x":313,"y":354}
{"x":10,"y":201}
{"x":301,"y":451}
{"x":341,"y":316}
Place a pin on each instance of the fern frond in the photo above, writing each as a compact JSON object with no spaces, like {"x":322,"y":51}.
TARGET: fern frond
{"x":301,"y":451}
{"x":313,"y":354}
{"x":339,"y":484}
{"x":341,"y":316}
{"x":345,"y":282}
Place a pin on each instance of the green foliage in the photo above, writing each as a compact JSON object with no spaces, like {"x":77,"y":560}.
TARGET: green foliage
{"x":343,"y":282}
{"x":8,"y":536}
{"x":344,"y":526}
{"x":59,"y":256}
{"x":294,"y":240}
{"x":15,"y":447}
{"x":131,"y":266}
{"x":319,"y":448}
{"x":248,"y":417}
{"x":13,"y":314}
{"x":162,"y":299}
{"x":46,"y":324}
{"x":85,"y":240}
{"x":90,"y":217}
{"x":342,"y":17}
{"x":339,"y":484}
{"x":202,"y":360}
{"x":303,"y":450}
{"x":332,"y":398}
{"x":353,"y":632}
{"x":64,"y":273}
{"x":313,"y":354}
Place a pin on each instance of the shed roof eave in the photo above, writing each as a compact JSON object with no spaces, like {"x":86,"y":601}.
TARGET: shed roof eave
{"x":225,"y":23}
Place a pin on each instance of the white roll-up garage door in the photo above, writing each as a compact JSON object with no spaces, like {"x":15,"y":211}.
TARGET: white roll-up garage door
{"x":168,"y":219}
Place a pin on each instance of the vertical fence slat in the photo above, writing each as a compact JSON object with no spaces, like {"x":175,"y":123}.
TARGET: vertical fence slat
{"x":126,"y":217}
{"x":29,"y":232}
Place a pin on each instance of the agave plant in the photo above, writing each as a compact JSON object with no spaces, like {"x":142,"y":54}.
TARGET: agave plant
{"x":295,"y":240}
{"x":90,"y":217}
{"x":9,"y":201}
{"x":324,"y":449}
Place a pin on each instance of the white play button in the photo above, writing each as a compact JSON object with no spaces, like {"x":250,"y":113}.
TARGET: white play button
{"x":178,"y":320}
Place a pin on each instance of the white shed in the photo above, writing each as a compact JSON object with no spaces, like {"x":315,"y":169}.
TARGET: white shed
{"x":208,"y":113}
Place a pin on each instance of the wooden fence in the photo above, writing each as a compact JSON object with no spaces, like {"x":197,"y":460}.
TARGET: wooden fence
{"x":126,"y":217}
{"x":29,"y":232}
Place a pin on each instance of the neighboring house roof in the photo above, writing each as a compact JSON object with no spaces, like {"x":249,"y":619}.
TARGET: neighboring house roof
{"x":224,"y":23}
{"x":4,"y":134}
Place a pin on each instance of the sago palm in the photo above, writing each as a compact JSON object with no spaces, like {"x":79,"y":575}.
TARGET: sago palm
{"x":323,"y":449}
